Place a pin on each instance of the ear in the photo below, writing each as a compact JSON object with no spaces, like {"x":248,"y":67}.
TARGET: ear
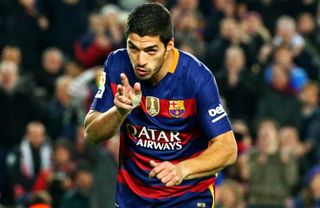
{"x":170,"y":45}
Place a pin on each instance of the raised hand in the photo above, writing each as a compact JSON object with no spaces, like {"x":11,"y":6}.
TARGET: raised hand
{"x":127,"y":98}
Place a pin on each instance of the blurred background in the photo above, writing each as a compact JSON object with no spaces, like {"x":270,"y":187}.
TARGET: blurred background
{"x":265,"y":55}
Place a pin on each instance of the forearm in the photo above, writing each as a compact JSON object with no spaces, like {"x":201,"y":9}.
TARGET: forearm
{"x":221,"y":152}
{"x":201,"y":175}
{"x":102,"y":126}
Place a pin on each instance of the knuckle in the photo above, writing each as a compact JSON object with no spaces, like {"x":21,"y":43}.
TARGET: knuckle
{"x":174,"y":173}
{"x":156,"y":170}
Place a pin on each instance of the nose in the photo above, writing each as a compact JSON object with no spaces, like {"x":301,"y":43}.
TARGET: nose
{"x":142,"y":59}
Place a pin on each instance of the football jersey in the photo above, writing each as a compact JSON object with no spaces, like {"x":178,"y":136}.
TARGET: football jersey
{"x":176,"y":119}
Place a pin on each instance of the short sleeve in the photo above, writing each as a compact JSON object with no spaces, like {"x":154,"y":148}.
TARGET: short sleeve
{"x":103,"y":99}
{"x":211,"y":114}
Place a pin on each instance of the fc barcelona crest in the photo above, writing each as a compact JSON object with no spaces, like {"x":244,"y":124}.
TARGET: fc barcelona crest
{"x":152,"y":105}
{"x":176,"y":108}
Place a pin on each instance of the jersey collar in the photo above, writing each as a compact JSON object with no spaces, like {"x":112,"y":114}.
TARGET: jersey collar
{"x":174,"y":63}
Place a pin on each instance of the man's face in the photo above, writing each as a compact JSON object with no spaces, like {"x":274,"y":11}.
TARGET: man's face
{"x":147,"y":55}
{"x":36,"y":134}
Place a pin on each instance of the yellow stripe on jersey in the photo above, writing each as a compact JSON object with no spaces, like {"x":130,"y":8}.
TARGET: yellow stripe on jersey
{"x":175,"y":60}
{"x":212,"y":192}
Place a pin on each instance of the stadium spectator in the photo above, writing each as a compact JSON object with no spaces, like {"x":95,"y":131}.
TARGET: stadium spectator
{"x":18,"y":106}
{"x":28,"y":160}
{"x":189,"y":26}
{"x":298,"y":76}
{"x":290,"y":143}
{"x":258,"y":34}
{"x":277,"y":95}
{"x":11,"y":53}
{"x":187,"y":18}
{"x":58,"y":179}
{"x":114,"y":22}
{"x":66,"y":113}
{"x":52,"y":68}
{"x":270,"y":176}
{"x":230,"y":34}
{"x":287,"y":36}
{"x":230,"y":195}
{"x":306,"y":26}
{"x":94,"y":46}
{"x":309,"y":123}
{"x":309,"y":98}
{"x":310,"y":111}
{"x":103,"y":166}
{"x":80,"y":195}
{"x":291,"y":146}
{"x":237,"y":86}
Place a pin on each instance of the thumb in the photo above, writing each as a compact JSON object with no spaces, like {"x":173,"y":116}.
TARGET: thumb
{"x":153,"y":163}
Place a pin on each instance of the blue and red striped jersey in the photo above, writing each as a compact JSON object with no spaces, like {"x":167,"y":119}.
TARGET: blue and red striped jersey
{"x":175,"y":121}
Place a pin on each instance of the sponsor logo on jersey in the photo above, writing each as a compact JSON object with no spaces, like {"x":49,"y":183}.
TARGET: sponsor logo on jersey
{"x":102,"y":81}
{"x":154,"y":138}
{"x":176,"y":108}
{"x":152,"y":105}
{"x":217,"y":113}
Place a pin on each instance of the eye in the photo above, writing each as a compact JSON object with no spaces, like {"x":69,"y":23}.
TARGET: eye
{"x":151,"y":52}
{"x":133,"y":49}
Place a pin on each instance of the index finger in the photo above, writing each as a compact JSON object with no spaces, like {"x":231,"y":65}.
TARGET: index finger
{"x":124,"y":80}
{"x":156,"y":170}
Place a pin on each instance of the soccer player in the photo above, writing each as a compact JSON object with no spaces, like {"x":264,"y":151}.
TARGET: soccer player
{"x":174,"y":133}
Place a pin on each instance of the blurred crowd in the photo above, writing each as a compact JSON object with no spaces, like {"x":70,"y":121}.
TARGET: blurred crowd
{"x":265,"y":55}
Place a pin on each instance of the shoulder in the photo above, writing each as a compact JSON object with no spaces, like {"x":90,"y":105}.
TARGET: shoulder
{"x":117,"y":55}
{"x":118,"y":61}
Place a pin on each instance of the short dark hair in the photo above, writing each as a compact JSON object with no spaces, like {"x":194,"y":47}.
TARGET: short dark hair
{"x":151,"y":19}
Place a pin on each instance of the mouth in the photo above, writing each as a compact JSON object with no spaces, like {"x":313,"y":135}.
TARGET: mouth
{"x":141,"y":72}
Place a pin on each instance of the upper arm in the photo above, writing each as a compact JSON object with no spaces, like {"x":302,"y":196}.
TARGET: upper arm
{"x":211,"y":114}
{"x":226,"y":138}
{"x":227,"y":143}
